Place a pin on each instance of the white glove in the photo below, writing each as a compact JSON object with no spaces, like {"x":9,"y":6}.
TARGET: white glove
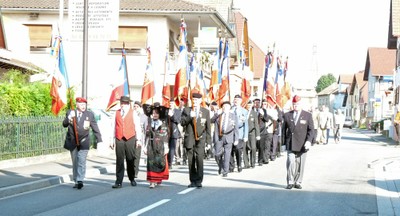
{"x":258,"y":137}
{"x":71,"y":115}
{"x":192,"y":114}
{"x":208,"y":147}
{"x":261,"y":112}
{"x":307,"y":145}
{"x":170,"y":112}
{"x":235,"y":143}
{"x":219,"y":111}
{"x":245,"y":140}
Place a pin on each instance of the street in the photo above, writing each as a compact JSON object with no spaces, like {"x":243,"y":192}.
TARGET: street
{"x":339,"y":179}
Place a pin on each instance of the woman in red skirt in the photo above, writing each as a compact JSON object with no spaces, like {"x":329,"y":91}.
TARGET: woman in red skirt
{"x":157,"y":147}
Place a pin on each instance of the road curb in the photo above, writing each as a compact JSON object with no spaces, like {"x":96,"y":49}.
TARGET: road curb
{"x":51,"y":181}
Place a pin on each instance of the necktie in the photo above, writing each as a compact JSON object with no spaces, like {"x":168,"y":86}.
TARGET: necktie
{"x":295,"y":117}
{"x":79,"y":116}
{"x":122,"y":113}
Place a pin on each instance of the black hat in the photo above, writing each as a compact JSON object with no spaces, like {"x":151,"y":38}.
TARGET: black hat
{"x":238,"y":96}
{"x":225,"y":102}
{"x":156,"y":104}
{"x":196,"y":95}
{"x":138,"y":103}
{"x":256,"y":100}
{"x":214,"y":103}
{"x":125,"y":99}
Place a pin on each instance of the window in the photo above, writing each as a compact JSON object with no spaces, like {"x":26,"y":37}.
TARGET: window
{"x":39,"y":36}
{"x":135,"y":39}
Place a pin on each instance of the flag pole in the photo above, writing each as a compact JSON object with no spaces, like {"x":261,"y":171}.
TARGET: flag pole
{"x":126,"y":67}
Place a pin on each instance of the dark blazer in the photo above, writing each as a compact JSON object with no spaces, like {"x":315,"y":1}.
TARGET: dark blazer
{"x":202,"y":126}
{"x":296,"y":135}
{"x":175,"y":119}
{"x":263,"y":121}
{"x":254,"y":127}
{"x":83,"y":132}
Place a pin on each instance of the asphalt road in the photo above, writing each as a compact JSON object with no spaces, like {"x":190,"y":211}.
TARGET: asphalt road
{"x":337,"y":181}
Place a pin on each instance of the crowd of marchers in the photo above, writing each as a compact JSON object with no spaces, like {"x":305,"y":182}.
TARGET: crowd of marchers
{"x":237,"y":137}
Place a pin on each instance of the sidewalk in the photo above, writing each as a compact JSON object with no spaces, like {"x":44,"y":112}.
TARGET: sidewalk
{"x":52,"y":171}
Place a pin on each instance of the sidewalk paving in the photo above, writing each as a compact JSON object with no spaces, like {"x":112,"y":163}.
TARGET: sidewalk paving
{"x":19,"y":179}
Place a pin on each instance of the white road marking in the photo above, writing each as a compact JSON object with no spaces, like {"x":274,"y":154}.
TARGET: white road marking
{"x":186,"y":191}
{"x":145,"y":209}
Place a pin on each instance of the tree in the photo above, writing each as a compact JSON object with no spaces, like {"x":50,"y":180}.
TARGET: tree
{"x":325,"y":81}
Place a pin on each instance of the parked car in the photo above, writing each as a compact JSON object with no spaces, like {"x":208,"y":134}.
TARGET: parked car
{"x":348,"y":123}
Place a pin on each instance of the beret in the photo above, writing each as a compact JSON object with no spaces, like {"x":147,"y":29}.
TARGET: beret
{"x":81,"y":100}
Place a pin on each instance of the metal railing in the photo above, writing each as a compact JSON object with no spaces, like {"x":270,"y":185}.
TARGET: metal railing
{"x":22,"y":137}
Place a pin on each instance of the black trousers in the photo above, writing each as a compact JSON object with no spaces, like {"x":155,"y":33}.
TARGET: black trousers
{"x":236,"y":154}
{"x":195,"y":158}
{"x":125,"y":149}
{"x":171,"y":153}
{"x":249,"y":151}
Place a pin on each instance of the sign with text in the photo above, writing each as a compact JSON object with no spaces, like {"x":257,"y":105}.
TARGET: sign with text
{"x":103,"y":19}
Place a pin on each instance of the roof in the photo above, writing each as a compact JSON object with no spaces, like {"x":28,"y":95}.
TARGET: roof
{"x":329,"y":90}
{"x":258,"y":54}
{"x":125,"y":5}
{"x":345,"y":78}
{"x":7,"y":61}
{"x":357,"y":81}
{"x":380,"y":62}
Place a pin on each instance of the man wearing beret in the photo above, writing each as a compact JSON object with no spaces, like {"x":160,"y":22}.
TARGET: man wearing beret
{"x":128,"y":139}
{"x":298,"y":128}
{"x":226,"y":135}
{"x":243,"y":127}
{"x":81,"y":120}
{"x":196,"y":121}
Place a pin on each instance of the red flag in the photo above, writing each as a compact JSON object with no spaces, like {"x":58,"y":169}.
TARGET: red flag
{"x":148,"y":89}
{"x":166,"y":92}
{"x":59,"y":84}
{"x":223,"y":93}
{"x":120,"y":84}
{"x":181,"y":77}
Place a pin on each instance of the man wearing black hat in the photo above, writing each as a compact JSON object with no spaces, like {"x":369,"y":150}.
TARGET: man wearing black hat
{"x":226,"y":135}
{"x":128,"y":137}
{"x":79,"y":122}
{"x":298,"y":128}
{"x":196,"y":121}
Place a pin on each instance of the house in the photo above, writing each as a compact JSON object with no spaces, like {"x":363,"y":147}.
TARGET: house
{"x":342,"y":101}
{"x":379,"y":70}
{"x":328,"y":95}
{"x":28,"y":26}
{"x":358,"y":98}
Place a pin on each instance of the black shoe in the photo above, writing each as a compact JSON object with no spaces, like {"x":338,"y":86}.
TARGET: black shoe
{"x":225,"y":175}
{"x":199,"y":185}
{"x":289,"y":186}
{"x":192,"y":185}
{"x":75,"y":186}
{"x":240,"y":169}
{"x":80,"y":185}
{"x":260,"y":164}
{"x":117,"y":186}
{"x":246,"y":167}
{"x":265,"y":162}
{"x":133,"y":183}
{"x":298,"y":186}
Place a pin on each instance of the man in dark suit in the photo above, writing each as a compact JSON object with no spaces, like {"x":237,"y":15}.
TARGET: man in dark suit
{"x":196,"y":121}
{"x":298,"y":128}
{"x":254,"y":136}
{"x":174,"y":133}
{"x":226,"y":135}
{"x":263,"y":122}
{"x":81,"y":120}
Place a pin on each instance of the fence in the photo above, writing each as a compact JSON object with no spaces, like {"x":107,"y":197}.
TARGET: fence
{"x":30,"y":136}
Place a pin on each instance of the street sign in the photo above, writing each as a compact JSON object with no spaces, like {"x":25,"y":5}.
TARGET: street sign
{"x":103,"y":19}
